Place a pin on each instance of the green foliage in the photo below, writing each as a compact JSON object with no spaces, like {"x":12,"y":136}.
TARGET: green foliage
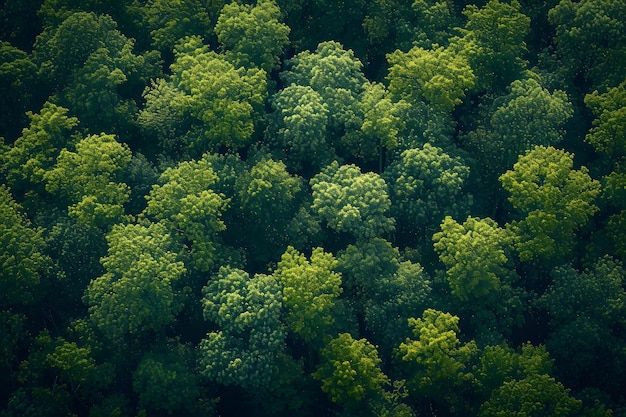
{"x":350,"y":201}
{"x":493,"y":43}
{"x":223,"y":101}
{"x":475,"y":256}
{"x":438,"y":76}
{"x":253,"y":36}
{"x":171,"y":20}
{"x":250,"y":335}
{"x":90,"y":180}
{"x":599,"y":28}
{"x":426,"y":184}
{"x":587,"y":315}
{"x":23,"y":263}
{"x":17,"y":75}
{"x":136,"y":293}
{"x":268,"y":198}
{"x":310,"y":291}
{"x":35,"y":152}
{"x":350,"y":371}
{"x":164,"y":382}
{"x":608,"y":135}
{"x":299,"y":127}
{"x":553,"y":200}
{"x":536,"y":395}
{"x":527,"y":116}
{"x":184,"y":200}
{"x":435,"y":361}
{"x":335,"y":74}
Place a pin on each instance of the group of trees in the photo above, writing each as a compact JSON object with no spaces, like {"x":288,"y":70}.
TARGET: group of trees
{"x":373,"y":208}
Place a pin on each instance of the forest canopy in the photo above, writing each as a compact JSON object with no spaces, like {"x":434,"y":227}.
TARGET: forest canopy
{"x":376,"y":208}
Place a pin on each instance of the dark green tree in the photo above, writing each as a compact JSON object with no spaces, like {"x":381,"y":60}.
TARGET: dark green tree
{"x":249,"y":338}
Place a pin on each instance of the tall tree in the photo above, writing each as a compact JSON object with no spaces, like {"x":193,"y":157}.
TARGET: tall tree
{"x":350,"y":371}
{"x":185,"y":202}
{"x":552,"y":200}
{"x":253,"y":36}
{"x":249,"y":338}
{"x":350,"y":201}
{"x":136,"y":295}
{"x":310,"y":291}
{"x":90,"y":179}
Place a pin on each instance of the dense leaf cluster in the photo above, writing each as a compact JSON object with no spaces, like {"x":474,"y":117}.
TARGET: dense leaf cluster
{"x":321,"y":207}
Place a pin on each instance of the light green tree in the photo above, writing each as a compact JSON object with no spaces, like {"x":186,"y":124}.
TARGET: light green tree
{"x":310,"y":291}
{"x":475,"y":255}
{"x":351,"y":201}
{"x":185,"y":202}
{"x":350,"y":371}
{"x":435,"y":361}
{"x":438,"y":76}
{"x":253,"y":36}
{"x":168,"y":21}
{"x":249,"y":336}
{"x":36,"y":150}
{"x":552,"y":200}
{"x":136,"y":294}
{"x":220,"y":102}
{"x":608,"y":134}
{"x":90,"y":179}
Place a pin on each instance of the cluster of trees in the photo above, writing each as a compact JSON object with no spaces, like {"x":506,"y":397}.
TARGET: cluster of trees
{"x":373,"y":208}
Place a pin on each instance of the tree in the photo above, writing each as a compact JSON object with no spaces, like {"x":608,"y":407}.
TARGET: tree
{"x":310,"y":292}
{"x":438,"y":76}
{"x":597,"y":26}
{"x":168,"y":21}
{"x":268,"y":198}
{"x":350,"y":371}
{"x":528,"y":115}
{"x":90,"y":180}
{"x":17,"y":76}
{"x":298,"y":128}
{"x":552,"y":199}
{"x":222,"y":102}
{"x":22,"y":257}
{"x":475,"y":254}
{"x":435,"y":361}
{"x":493,"y":43}
{"x":185,"y":202}
{"x":608,"y":134}
{"x":385,"y":290}
{"x":536,"y":395}
{"x":249,"y":336}
{"x":426,"y":184}
{"x":165,"y":382}
{"x":253,"y":36}
{"x":350,"y":201}
{"x":335,"y":74}
{"x":587,"y":315}
{"x":136,"y":294}
{"x":35,"y":152}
